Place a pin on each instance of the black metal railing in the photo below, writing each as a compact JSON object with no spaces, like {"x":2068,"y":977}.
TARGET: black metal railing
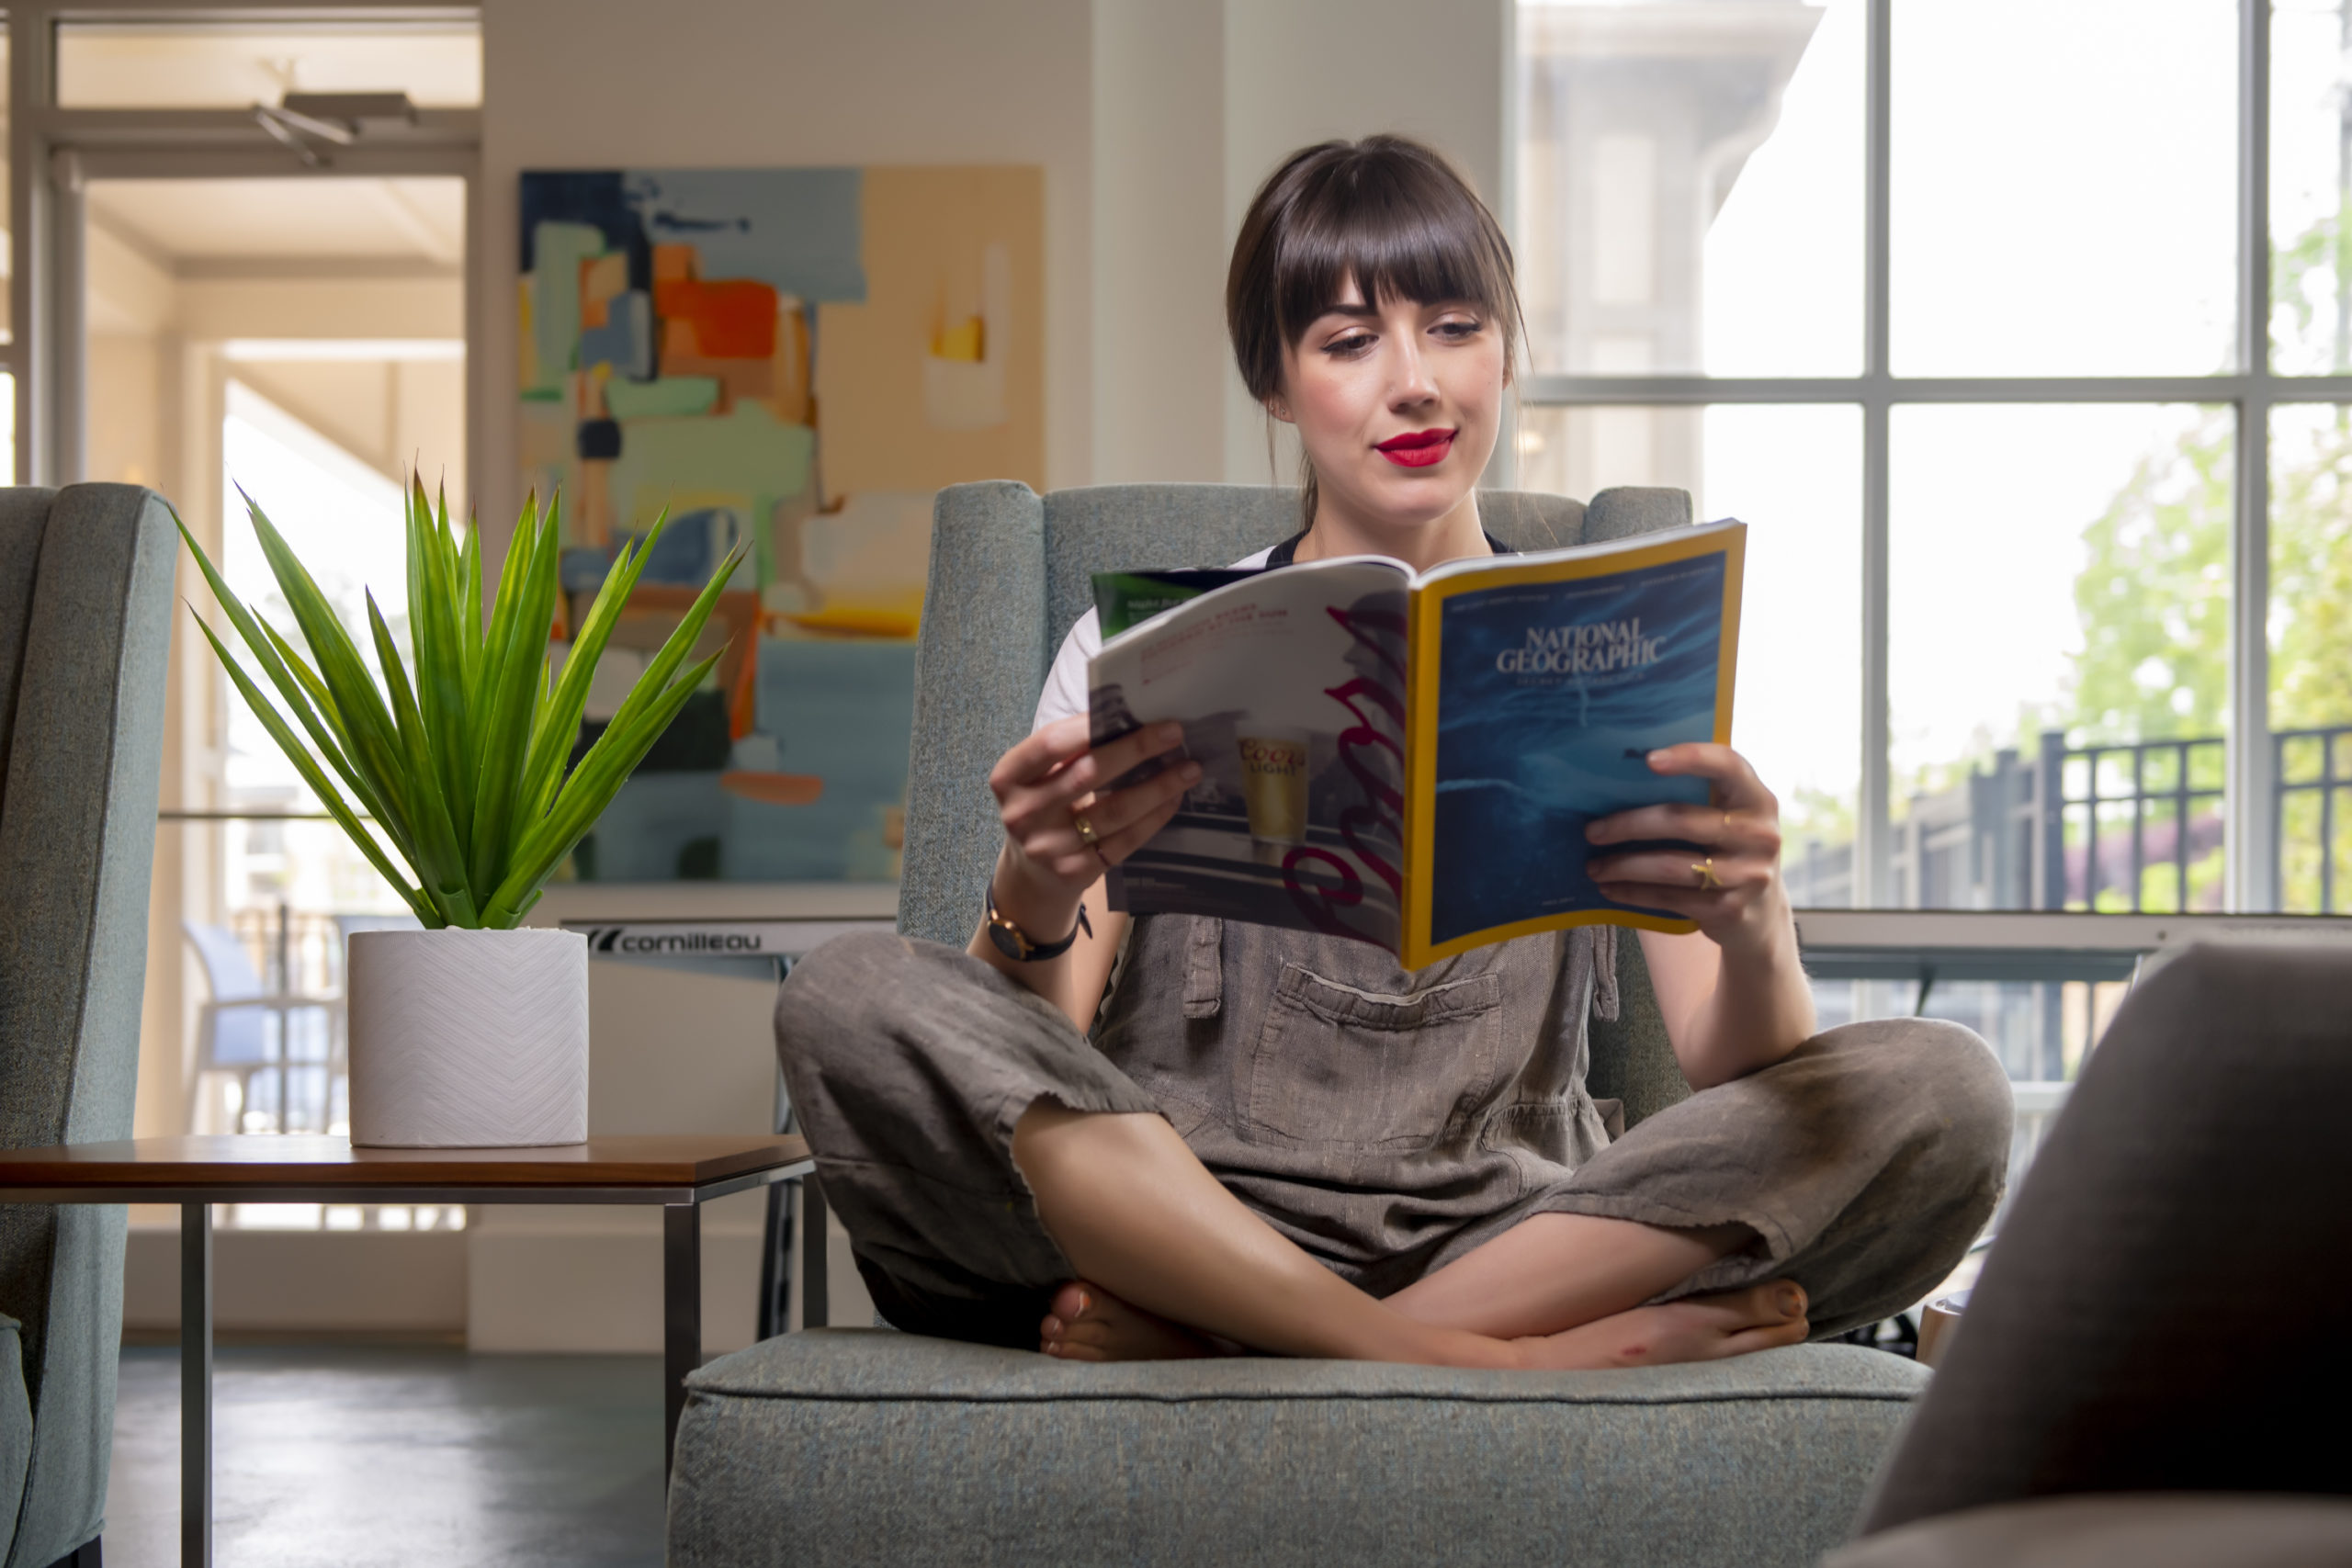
{"x":2313,"y":770}
{"x":2134,"y":827}
{"x":2109,"y":816}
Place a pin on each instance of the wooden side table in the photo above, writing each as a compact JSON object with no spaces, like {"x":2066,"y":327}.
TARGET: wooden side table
{"x":678,"y":1173}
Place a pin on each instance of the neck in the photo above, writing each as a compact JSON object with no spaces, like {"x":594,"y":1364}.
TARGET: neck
{"x":1337,"y":532}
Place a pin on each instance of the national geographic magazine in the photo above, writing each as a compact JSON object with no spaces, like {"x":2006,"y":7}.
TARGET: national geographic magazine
{"x":1410,"y":758}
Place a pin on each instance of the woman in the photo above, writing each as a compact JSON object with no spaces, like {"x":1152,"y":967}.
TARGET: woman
{"x":1284,"y":1142}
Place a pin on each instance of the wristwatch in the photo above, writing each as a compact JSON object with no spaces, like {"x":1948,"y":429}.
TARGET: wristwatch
{"x":1015,"y":944}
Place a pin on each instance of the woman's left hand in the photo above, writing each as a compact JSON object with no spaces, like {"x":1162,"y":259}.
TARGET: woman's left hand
{"x":1730,"y":885}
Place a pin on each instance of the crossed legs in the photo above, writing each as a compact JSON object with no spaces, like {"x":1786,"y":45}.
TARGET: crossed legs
{"x":984,"y":1157}
{"x":1158,"y":1244}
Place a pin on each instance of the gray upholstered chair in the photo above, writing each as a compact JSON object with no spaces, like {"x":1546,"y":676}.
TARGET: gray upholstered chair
{"x":86,"y":614}
{"x":884,"y":1448}
{"x":2165,"y":1308}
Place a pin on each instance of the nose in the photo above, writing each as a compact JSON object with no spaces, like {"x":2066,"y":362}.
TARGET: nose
{"x":1410,"y":383}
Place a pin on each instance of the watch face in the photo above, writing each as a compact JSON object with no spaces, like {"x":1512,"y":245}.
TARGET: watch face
{"x":1008,"y":940}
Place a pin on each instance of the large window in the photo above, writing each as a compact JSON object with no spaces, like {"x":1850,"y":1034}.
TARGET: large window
{"x":2022,"y":334}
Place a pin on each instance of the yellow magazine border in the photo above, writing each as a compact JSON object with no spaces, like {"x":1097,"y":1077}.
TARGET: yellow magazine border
{"x":1424,"y":621}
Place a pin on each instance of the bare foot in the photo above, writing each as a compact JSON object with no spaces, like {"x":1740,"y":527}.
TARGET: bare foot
{"x":1089,"y":1324}
{"x":1696,"y":1328}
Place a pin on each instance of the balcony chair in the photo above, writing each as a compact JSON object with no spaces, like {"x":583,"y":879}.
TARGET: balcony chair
{"x":86,"y":621}
{"x":249,"y":1031}
{"x":895,"y":1448}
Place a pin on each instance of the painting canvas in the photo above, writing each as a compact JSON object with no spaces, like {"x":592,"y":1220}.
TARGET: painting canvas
{"x":794,"y":361}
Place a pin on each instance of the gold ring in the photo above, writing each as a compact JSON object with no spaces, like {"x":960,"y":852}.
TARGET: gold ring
{"x":1085,"y":830}
{"x":1705,"y":870}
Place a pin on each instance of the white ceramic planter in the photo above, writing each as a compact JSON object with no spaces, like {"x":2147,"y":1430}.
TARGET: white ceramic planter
{"x":463,"y":1040}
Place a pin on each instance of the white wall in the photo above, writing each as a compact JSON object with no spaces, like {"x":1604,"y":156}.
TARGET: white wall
{"x":1160,"y":241}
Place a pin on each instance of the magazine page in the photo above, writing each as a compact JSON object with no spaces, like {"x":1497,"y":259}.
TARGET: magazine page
{"x":1543,"y":685}
{"x":1291,"y":688}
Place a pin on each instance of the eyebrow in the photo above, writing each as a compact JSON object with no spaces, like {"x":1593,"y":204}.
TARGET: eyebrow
{"x":1360,"y":312}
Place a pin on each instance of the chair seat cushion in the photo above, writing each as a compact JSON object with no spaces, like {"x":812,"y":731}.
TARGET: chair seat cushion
{"x":859,"y":1445}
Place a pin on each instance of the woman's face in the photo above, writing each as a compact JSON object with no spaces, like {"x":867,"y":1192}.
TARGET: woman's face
{"x":1397,"y":402}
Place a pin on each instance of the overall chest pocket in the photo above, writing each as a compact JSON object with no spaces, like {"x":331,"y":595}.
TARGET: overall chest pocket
{"x":1339,"y":1068}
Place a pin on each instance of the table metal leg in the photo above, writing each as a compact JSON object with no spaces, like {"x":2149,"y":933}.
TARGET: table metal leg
{"x":196,"y":1385}
{"x":681,"y":1316}
{"x":816,"y":1292}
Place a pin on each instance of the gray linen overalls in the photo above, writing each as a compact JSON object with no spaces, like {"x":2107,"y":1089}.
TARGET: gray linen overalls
{"x":1385,"y":1120}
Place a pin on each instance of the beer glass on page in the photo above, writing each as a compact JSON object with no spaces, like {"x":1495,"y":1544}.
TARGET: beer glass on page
{"x":1274,"y":786}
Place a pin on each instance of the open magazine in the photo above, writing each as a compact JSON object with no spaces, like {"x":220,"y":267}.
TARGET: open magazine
{"x":1410,"y":758}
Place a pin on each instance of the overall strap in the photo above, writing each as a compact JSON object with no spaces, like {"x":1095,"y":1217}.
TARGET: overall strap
{"x":1284,"y":553}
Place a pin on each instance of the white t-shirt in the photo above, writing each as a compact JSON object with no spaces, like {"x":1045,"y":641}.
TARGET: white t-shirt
{"x":1065,"y":691}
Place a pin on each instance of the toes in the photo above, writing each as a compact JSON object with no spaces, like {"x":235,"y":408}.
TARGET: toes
{"x":1771,"y":1337}
{"x":1071,"y":1302}
{"x":1789,"y":1299}
{"x":1091,"y":1332}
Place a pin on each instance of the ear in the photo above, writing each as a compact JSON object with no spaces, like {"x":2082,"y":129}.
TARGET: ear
{"x":1277,"y":409}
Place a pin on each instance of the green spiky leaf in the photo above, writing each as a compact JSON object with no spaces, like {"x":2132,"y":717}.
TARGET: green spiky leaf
{"x":458,"y":751}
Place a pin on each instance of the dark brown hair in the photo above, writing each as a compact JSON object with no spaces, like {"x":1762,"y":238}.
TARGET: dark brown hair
{"x":1385,"y":211}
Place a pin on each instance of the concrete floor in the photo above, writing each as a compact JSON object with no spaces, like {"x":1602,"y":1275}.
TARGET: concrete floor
{"x":356,"y":1457}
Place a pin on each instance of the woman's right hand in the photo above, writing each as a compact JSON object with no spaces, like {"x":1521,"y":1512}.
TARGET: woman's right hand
{"x":1043,"y":784}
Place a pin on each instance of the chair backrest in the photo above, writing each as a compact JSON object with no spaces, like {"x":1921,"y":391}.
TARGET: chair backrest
{"x":1010,"y":570}
{"x":228,"y":967}
{"x":231,"y":1037}
{"x":86,"y":615}
{"x":2164,"y":1307}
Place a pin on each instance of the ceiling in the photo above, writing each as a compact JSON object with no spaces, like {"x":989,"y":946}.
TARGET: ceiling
{"x":325,"y":222}
{"x":235,"y":65}
{"x":208,"y":227}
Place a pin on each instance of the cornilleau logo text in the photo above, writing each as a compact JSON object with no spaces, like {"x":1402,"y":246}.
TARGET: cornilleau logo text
{"x":620,"y":939}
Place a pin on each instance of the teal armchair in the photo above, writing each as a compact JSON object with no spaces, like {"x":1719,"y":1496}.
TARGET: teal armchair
{"x":85,"y":612}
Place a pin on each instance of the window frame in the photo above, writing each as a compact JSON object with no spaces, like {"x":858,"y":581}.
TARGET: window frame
{"x":2251,"y":392}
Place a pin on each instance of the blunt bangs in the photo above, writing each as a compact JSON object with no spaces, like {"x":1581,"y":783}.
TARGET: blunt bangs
{"x":1368,"y":223}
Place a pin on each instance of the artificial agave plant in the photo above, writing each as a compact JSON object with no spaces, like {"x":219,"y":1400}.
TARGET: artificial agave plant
{"x":461,"y":761}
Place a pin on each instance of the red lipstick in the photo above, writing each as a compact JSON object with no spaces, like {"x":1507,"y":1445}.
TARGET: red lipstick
{"x":1418,"y":448}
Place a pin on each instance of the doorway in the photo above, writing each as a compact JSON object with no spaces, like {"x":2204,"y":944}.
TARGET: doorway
{"x":298,"y":340}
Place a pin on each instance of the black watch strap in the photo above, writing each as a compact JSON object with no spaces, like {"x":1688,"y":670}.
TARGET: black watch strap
{"x":1016,"y":944}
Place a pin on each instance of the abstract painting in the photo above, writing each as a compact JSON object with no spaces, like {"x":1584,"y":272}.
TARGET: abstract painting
{"x":793,"y":361}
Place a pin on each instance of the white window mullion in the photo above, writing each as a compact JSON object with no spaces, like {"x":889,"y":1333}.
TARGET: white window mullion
{"x":2249,"y":868}
{"x":1873,"y":840}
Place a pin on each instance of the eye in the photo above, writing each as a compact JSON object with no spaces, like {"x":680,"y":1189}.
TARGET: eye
{"x":1349,"y":345}
{"x":1454,"y":329}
